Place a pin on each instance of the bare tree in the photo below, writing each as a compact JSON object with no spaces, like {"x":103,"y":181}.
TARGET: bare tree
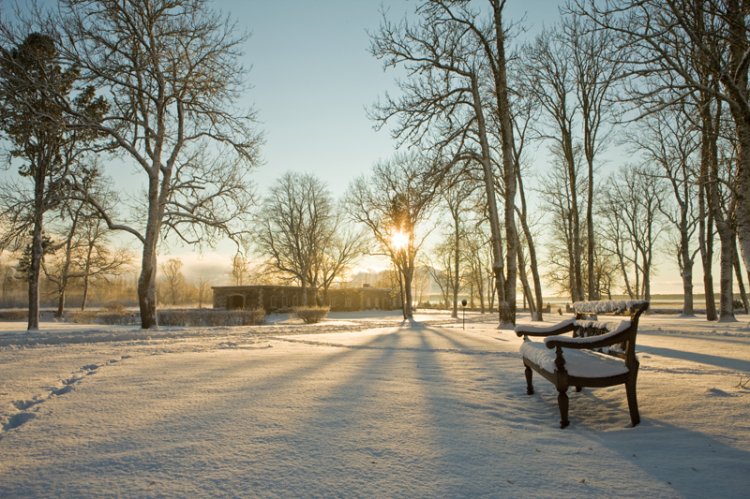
{"x":343,"y":249}
{"x":671,"y":146}
{"x":455,"y":56}
{"x":525,"y":112}
{"x":557,"y":190}
{"x":96,"y":261}
{"x":302,"y":233}
{"x":202,"y":288}
{"x":239,"y":268}
{"x":455,"y":197}
{"x":478,"y":260}
{"x":632,"y":206}
{"x":169,"y":69}
{"x":173,"y":279}
{"x":392,"y":203}
{"x":549,"y":74}
{"x":597,"y":67}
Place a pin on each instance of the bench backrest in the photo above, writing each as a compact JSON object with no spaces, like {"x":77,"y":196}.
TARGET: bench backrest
{"x":588,"y":324}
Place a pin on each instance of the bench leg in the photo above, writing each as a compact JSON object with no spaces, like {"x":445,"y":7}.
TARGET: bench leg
{"x":635,"y":417}
{"x":529,"y":385}
{"x":562,"y":401}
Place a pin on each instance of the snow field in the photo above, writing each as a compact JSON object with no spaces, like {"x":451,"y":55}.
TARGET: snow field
{"x":422,"y":410}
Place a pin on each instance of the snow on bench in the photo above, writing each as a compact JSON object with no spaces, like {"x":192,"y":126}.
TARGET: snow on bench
{"x":598,"y":354}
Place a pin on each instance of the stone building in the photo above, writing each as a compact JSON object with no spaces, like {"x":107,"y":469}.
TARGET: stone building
{"x":272,"y":298}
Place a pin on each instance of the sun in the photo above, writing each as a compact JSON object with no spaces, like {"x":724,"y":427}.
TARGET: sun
{"x":399,"y":240}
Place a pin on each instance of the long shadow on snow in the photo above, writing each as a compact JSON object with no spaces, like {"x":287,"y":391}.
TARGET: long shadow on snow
{"x":714,"y":360}
{"x":684,"y":459}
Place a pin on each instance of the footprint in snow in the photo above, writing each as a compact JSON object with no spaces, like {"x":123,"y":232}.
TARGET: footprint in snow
{"x":62,"y":391}
{"x":22,"y":405}
{"x":716,"y":392}
{"x":17,"y":420}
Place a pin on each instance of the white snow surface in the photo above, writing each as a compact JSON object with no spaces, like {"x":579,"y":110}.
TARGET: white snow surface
{"x":363,"y":406}
{"x":582,"y":363}
{"x":533,"y":328}
{"x":608,"y":307}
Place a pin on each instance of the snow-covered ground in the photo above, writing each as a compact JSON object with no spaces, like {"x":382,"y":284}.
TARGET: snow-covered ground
{"x":363,"y":406}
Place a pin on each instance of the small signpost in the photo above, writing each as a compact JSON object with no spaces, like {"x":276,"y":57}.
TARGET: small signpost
{"x":463,"y":304}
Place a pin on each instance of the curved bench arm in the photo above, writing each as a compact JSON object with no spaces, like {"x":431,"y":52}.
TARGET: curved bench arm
{"x":621,"y":333}
{"x":555,"y":329}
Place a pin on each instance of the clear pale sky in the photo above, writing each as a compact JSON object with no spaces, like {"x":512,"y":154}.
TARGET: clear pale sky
{"x":313,"y":78}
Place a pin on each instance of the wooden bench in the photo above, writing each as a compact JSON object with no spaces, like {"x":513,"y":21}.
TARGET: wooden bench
{"x":597,"y":355}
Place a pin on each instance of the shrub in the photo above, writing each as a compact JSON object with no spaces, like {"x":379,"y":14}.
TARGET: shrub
{"x":14,"y":315}
{"x":311,"y":315}
{"x":81,"y":316}
{"x":211,"y":318}
{"x":114,"y":307}
{"x":110,"y":316}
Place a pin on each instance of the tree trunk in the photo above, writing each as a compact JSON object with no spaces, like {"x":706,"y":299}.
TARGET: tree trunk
{"x":456,"y":264}
{"x":65,"y":274}
{"x":85,"y":294}
{"x":527,"y":294}
{"x":726,"y":297}
{"x":408,"y":299}
{"x":537,"y":315}
{"x":706,"y":248}
{"x":147,"y":278}
{"x":687,"y":285}
{"x":593,"y":293}
{"x":572,"y":286}
{"x":508,"y":305}
{"x":86,"y":272}
{"x":742,"y":190}
{"x":303,"y":285}
{"x":489,"y":189}
{"x":647,"y":277}
{"x":37,"y":247}
{"x":147,"y":285}
{"x":401,"y":295}
{"x":740,"y":280}
{"x":60,"y":304}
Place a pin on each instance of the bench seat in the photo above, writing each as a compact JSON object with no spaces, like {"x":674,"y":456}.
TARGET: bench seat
{"x":578,"y":363}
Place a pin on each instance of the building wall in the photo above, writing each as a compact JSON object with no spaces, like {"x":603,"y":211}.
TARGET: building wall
{"x":272,"y":298}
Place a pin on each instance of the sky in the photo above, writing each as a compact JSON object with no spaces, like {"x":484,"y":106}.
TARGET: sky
{"x":313,"y":79}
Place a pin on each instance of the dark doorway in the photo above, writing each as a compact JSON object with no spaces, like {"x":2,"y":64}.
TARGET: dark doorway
{"x":235,"y":302}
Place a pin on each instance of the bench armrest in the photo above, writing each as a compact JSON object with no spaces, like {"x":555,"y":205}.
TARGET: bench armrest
{"x":618,"y":335}
{"x":559,"y":328}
